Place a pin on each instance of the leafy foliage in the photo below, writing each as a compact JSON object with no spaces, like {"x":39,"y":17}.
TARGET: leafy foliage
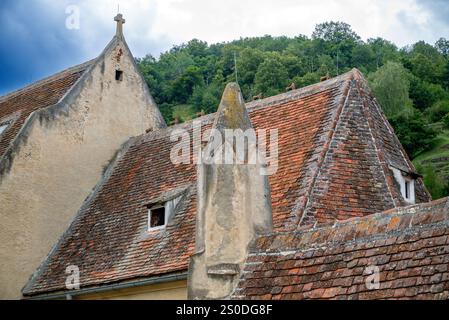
{"x":271,"y":76}
{"x":437,"y":187}
{"x":411,"y":84}
{"x":414,"y":133}
{"x":391,"y":87}
{"x":446,"y":121}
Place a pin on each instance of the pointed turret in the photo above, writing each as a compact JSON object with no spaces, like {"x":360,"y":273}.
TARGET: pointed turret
{"x":234,"y":205}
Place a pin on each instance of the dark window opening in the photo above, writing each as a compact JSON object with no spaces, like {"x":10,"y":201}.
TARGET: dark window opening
{"x":118,"y":75}
{"x":407,"y":189}
{"x":157,"y":217}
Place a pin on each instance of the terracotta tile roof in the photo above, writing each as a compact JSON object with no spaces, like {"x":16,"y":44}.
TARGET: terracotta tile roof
{"x":18,"y":105}
{"x":409,"y":245}
{"x":108,"y":239}
{"x":354,"y":179}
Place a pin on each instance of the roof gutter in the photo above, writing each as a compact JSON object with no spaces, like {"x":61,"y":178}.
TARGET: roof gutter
{"x":133,"y":284}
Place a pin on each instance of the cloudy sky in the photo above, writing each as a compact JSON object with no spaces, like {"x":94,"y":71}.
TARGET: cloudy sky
{"x":35,"y":41}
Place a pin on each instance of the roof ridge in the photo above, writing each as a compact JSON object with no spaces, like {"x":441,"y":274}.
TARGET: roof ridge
{"x":367,"y":95}
{"x":262,"y":103}
{"x":53,"y":77}
{"x":349,"y":76}
{"x":301,"y":92}
{"x":361,"y":226}
{"x":369,"y":118}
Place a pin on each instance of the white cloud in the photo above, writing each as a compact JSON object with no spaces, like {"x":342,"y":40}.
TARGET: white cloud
{"x":155,"y":25}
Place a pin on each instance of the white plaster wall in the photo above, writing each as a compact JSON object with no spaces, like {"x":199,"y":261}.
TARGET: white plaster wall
{"x":176,"y":290}
{"x":61,"y":162}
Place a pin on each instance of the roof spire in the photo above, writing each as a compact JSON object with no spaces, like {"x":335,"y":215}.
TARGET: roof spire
{"x":232,"y":113}
{"x":228,"y":220}
{"x":120,"y":22}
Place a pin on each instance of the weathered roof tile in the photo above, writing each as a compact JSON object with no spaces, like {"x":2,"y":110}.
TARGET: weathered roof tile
{"x":415,"y":267}
{"x":327,"y":166}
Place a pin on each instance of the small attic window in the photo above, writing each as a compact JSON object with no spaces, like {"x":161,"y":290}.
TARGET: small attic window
{"x":407,"y":189}
{"x":406,"y":184}
{"x":118,"y":75}
{"x":157,"y":218}
{"x":159,"y":214}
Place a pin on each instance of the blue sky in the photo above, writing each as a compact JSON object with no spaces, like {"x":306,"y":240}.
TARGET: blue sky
{"x":35,"y":42}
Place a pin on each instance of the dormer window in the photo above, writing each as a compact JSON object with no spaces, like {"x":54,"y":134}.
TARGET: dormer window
{"x":159,"y":214}
{"x":156,"y":218}
{"x":406,"y":184}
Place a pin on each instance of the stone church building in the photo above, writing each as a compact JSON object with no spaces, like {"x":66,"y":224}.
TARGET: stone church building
{"x":87,"y":184}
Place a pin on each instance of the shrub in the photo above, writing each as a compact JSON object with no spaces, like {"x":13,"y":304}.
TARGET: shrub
{"x":446,"y":121}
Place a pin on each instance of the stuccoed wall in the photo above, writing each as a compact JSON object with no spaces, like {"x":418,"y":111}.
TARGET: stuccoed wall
{"x":176,"y":290}
{"x":62,"y":158}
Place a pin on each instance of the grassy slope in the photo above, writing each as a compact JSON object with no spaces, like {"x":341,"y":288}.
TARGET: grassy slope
{"x":438,"y":158}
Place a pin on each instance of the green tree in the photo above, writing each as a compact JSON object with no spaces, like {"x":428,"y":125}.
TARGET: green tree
{"x":414,"y":132}
{"x":271,"y":77}
{"x":423,"y":67}
{"x":148,"y":67}
{"x":295,"y":65}
{"x":306,"y":80}
{"x":391,"y":86}
{"x":446,"y":121}
{"x":442,"y":45}
{"x":183,"y":86}
{"x":364,"y":57}
{"x":426,"y":62}
{"x":248,"y":63}
{"x":437,"y":187}
{"x":445,"y":75}
{"x":383,"y":50}
{"x":327,"y":66}
{"x":335,"y":32}
{"x":197,"y":48}
{"x":425,"y":94}
{"x":438,"y":111}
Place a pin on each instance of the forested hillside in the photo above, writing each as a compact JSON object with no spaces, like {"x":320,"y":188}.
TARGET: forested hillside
{"x":411,"y":83}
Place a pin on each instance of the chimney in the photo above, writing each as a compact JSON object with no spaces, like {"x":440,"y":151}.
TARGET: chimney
{"x":234,"y":206}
